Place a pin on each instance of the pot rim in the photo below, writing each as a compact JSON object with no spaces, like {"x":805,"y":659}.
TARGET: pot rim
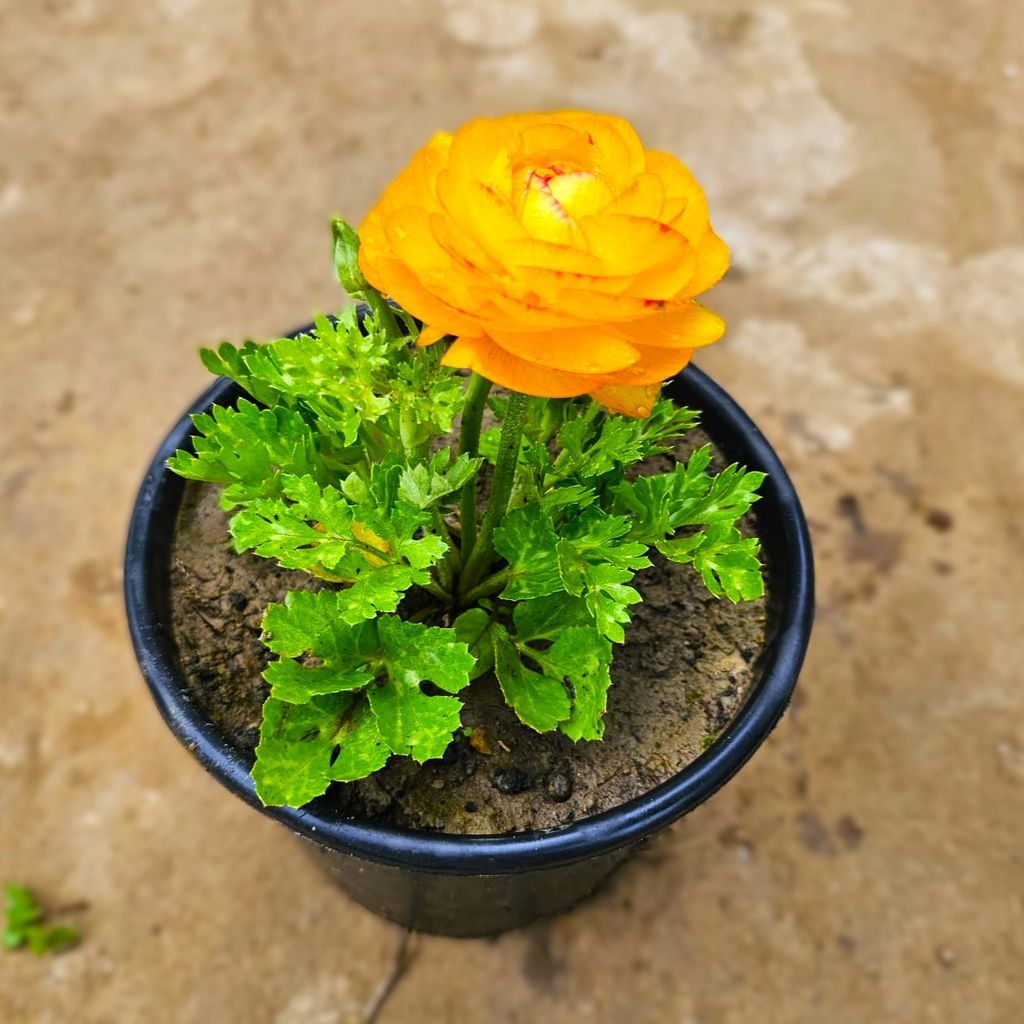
{"x":791,"y":587}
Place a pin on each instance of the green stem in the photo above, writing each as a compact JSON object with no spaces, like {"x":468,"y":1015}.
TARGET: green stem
{"x":451,"y":563}
{"x":435,"y":588}
{"x":491,"y":585}
{"x":479,"y":561}
{"x":383,"y":312}
{"x":469,"y":444}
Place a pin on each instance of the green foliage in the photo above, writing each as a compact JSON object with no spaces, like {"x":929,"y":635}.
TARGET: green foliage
{"x":346,"y":696}
{"x":707,"y":507}
{"x":341,"y":465}
{"x":26,"y":924}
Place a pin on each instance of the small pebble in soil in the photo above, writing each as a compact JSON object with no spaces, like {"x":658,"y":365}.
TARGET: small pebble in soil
{"x":559,"y":786}
{"x":511,"y":781}
{"x":470,"y":807}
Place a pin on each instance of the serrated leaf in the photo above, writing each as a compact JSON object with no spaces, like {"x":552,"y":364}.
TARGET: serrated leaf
{"x":317,"y":529}
{"x":597,"y":536}
{"x":379,"y":589}
{"x":680,"y":549}
{"x":361,"y":749}
{"x":688,"y":496}
{"x":424,"y":485}
{"x":296,"y":683}
{"x":538,"y":700}
{"x":544,"y":618}
{"x":298,"y":744}
{"x":414,"y":653}
{"x":567,"y":494}
{"x":250,"y":450}
{"x":312,"y":623}
{"x":526,"y":539}
{"x":602,"y":585}
{"x":410,"y":721}
{"x":581,"y":656}
{"x":728,"y":563}
{"x":413,"y":723}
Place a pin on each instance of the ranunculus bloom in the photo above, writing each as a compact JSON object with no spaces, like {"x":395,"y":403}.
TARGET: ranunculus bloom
{"x":562,"y":255}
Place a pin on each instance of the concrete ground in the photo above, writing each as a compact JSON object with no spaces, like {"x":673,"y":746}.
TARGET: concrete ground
{"x":167,"y":170}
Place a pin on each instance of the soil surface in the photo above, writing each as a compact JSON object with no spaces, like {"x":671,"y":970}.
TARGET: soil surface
{"x":680,"y":676}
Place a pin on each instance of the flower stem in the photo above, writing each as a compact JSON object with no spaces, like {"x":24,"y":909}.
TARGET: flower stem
{"x":383,"y":312}
{"x":479,"y":560}
{"x":491,"y":585}
{"x":469,"y":444}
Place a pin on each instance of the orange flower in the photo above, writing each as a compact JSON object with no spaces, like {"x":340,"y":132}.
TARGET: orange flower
{"x":562,"y":255}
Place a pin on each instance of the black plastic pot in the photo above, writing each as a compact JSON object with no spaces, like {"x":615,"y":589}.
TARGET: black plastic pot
{"x":482,"y":885}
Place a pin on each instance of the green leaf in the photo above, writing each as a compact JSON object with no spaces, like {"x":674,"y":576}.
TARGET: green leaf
{"x":581,"y":656}
{"x":570,"y":690}
{"x":410,"y":721}
{"x":690,"y":497}
{"x":596,"y":535}
{"x":296,"y":683}
{"x":361,"y":749}
{"x":312,"y":623}
{"x":43,"y":940}
{"x":539,"y":701}
{"x":328,"y":733}
{"x":251,"y":451}
{"x":603,"y":586}
{"x":474,"y":628}
{"x":317,"y":529}
{"x":728,"y":563}
{"x":303,"y":747}
{"x":21,"y":907}
{"x":346,"y":257}
{"x":25,"y":924}
{"x":423,"y":485}
{"x":413,"y":723}
{"x":595,"y":443}
{"x":527,"y":540}
{"x":414,"y":653}
{"x":594,"y":562}
{"x":544,"y":618}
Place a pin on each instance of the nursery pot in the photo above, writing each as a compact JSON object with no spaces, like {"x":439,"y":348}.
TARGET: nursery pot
{"x":468,"y":885}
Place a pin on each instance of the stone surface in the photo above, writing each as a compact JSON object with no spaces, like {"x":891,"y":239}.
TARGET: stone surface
{"x":166,"y":175}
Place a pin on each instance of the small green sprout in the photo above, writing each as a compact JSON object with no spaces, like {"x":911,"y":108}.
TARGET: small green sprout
{"x":26,"y":924}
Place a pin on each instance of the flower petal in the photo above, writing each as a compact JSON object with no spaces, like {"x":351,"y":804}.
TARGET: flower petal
{"x":550,"y":284}
{"x":630,"y":401}
{"x":395,"y":280}
{"x":619,"y":152}
{"x":590,"y":349}
{"x":632,"y":245}
{"x":643,"y":197}
{"x":712,"y":263}
{"x":679,"y":327}
{"x":682,"y":188}
{"x":534,"y":252}
{"x":428,"y":335}
{"x":654,"y":365}
{"x":509,"y":371}
{"x":580,"y":193}
{"x":543,"y":216}
{"x":549,"y":137}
